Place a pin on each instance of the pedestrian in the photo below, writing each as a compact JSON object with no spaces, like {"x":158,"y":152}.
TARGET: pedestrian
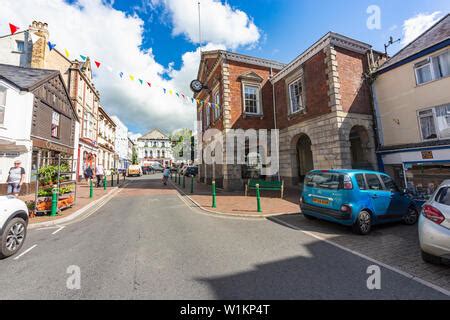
{"x":166,"y":175}
{"x":99,"y":172}
{"x":16,"y":178}
{"x":88,"y":173}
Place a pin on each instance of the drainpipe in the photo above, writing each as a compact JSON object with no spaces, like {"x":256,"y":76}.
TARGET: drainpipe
{"x":378,"y":126}
{"x":275,"y":119}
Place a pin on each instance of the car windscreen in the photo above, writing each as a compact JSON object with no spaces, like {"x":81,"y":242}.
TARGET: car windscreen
{"x":325,"y":180}
{"x":443,"y":196}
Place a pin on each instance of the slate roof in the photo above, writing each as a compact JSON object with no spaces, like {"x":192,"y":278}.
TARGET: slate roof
{"x":154,"y":134}
{"x":437,"y":34}
{"x":26,"y":79}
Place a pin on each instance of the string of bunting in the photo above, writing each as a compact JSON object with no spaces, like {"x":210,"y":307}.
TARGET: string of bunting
{"x":52,"y":46}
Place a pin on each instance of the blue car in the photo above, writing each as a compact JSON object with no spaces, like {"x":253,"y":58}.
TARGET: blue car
{"x":356,"y":198}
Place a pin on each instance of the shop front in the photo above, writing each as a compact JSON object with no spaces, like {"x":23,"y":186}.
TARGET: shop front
{"x":420,"y":171}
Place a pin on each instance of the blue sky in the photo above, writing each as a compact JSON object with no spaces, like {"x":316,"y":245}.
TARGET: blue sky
{"x":157,"y":40}
{"x":290,"y":26}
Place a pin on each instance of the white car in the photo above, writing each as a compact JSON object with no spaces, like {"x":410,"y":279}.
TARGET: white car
{"x":434,"y":226}
{"x":13,"y":225}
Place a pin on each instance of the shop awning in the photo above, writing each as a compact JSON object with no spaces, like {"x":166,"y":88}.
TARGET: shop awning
{"x":11,"y":146}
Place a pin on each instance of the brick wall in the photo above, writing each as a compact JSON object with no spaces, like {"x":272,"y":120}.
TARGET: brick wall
{"x":354,"y":88}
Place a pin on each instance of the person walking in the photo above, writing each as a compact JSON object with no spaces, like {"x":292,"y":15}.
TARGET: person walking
{"x":99,"y":172}
{"x":166,"y":175}
{"x":16,"y":178}
{"x":88,"y":173}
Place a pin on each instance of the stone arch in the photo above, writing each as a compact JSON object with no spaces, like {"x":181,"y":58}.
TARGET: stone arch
{"x":361,"y":148}
{"x":302,"y":158}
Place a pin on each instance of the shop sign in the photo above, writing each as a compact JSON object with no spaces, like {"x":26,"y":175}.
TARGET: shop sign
{"x":51,"y":146}
{"x":427,"y":155}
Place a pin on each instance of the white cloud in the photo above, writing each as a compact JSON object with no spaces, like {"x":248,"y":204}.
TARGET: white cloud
{"x":415,"y":26}
{"x":220,"y":22}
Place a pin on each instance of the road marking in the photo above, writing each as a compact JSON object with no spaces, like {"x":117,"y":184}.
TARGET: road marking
{"x":394,"y":269}
{"x":25,"y":252}
{"x":62,"y":227}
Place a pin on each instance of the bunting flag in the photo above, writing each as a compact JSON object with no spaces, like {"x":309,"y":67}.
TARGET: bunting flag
{"x":97,"y":64}
{"x":13,"y":28}
{"x":170,"y":92}
{"x":51,"y":46}
{"x":140,"y":80}
{"x":34,"y":38}
{"x":67,"y":53}
{"x":121,"y":74}
{"x":164,"y":89}
{"x":131,"y":77}
{"x":83,"y":57}
{"x":149,"y":84}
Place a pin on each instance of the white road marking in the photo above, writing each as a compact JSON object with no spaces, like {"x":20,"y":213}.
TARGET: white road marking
{"x":25,"y":252}
{"x":62,"y":227}
{"x":394,"y":269}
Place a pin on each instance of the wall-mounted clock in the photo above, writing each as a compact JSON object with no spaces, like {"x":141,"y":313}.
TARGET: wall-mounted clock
{"x":196,"y":86}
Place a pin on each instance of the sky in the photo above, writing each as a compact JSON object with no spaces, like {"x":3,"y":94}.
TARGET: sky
{"x":158,"y":40}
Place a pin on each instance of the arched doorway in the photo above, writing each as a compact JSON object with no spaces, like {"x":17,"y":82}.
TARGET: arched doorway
{"x":305,"y":161}
{"x":359,"y":148}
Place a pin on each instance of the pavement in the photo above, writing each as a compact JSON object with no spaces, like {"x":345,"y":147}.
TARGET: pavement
{"x":148,"y":242}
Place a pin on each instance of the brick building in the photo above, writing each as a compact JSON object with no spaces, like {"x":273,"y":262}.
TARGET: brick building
{"x":320,"y":102}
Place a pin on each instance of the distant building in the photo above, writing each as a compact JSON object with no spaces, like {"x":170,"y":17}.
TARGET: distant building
{"x":106,"y":140}
{"x":154,"y":146}
{"x":121,"y":144}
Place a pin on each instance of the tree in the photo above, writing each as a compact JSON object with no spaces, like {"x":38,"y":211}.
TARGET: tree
{"x":134,"y":156}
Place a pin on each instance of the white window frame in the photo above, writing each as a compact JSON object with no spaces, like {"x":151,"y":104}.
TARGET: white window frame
{"x":435,"y":123}
{"x":429,"y":62}
{"x":3,"y":106}
{"x":17,"y":46}
{"x":302,"y":103}
{"x":56,"y":115}
{"x":258,"y":99}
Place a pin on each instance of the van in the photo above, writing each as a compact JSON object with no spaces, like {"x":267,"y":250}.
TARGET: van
{"x":134,"y":171}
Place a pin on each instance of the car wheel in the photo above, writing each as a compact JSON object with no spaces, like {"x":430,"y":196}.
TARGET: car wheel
{"x":13,"y":237}
{"x":429,"y":258}
{"x":363,"y":223}
{"x":309,"y":217}
{"x":411,"y":217}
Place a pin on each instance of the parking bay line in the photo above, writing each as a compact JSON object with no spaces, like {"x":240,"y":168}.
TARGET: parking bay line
{"x":55,"y":232}
{"x":394,"y":269}
{"x":25,"y":252}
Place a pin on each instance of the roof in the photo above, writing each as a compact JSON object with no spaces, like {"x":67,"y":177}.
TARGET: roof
{"x":26,"y":79}
{"x":437,"y":34}
{"x":154,"y":134}
{"x":331,"y":38}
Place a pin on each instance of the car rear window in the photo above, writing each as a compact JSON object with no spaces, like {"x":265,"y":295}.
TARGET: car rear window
{"x":325,"y":180}
{"x":443,"y":196}
{"x":361,"y":182}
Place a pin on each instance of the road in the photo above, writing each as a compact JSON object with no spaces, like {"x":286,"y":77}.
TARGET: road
{"x":147,"y":243}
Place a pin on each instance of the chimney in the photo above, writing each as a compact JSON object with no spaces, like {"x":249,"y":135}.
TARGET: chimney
{"x":39,"y":47}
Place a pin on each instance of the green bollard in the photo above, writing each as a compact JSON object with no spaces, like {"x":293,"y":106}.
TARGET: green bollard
{"x":192,"y":184}
{"x":184,"y":182}
{"x":214,"y":201}
{"x":104,"y":182}
{"x":258,"y":199}
{"x":91,"y":189}
{"x":54,"y":201}
{"x":112,"y":180}
{"x":118,"y":178}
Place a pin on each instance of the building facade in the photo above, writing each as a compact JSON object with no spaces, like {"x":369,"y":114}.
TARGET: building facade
{"x":106,"y":140}
{"x":121,"y":144}
{"x":154,"y":146}
{"x":37,"y":120}
{"x":412,"y":102}
{"x":320,"y":103}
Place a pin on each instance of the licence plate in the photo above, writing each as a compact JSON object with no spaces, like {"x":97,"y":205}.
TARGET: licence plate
{"x":321,"y":201}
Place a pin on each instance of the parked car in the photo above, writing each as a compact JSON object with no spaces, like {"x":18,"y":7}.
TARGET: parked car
{"x":134,"y":171}
{"x":434,"y":226}
{"x":157,"y":167}
{"x":190,"y":171}
{"x":356,"y":198}
{"x":13,"y":225}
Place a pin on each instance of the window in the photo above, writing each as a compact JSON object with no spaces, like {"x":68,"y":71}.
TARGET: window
{"x":373,"y":182}
{"x":251,"y":99}
{"x":443,"y":196}
{"x":2,"y":104}
{"x":325,"y":180}
{"x":433,"y":68}
{"x":295,"y":96}
{"x":361,"y":182}
{"x":443,"y":121}
{"x":389,"y":184}
{"x":88,"y":126}
{"x":217,"y":111}
{"x":55,"y":124}
{"x":427,"y":126}
{"x":20,"y":46}
{"x":208,"y":116}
